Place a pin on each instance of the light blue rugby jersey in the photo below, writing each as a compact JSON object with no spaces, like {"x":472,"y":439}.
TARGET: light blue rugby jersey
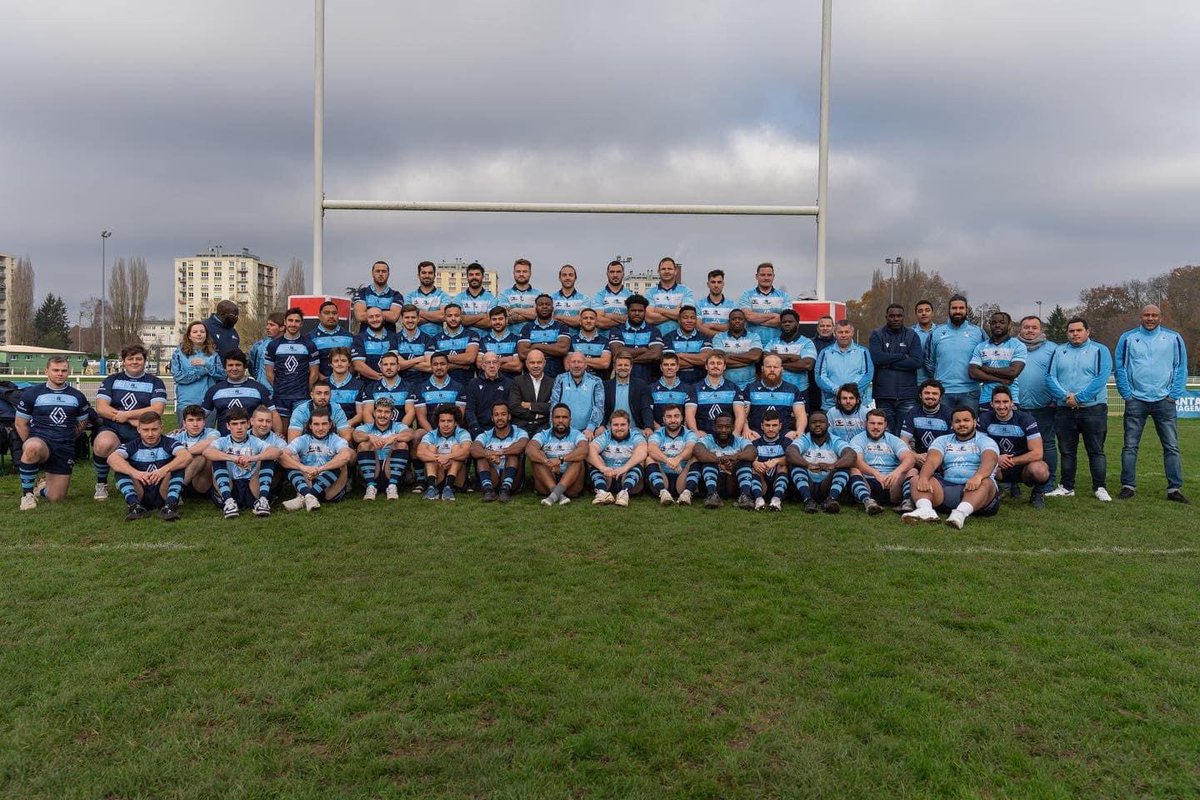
{"x":495,"y":444}
{"x":617,"y":452}
{"x":555,"y":447}
{"x":672,"y":446}
{"x":250,"y":446}
{"x":961,"y":459}
{"x":883,"y":454}
{"x":444,"y":444}
{"x":316,"y":452}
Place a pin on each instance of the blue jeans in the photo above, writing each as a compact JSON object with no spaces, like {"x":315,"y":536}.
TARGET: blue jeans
{"x":1045,"y":421}
{"x":1091,"y":423}
{"x":1163,"y":414}
{"x":895,"y":411}
{"x":958,"y":400}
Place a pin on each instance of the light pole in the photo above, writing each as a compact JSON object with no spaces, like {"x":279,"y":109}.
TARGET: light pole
{"x":103,"y":296}
{"x":1039,"y":305}
{"x":892,"y":262}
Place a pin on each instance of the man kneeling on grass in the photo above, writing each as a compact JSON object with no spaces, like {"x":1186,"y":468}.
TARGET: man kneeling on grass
{"x":616,"y":457}
{"x":243,"y":466}
{"x":382,"y":449}
{"x":150,"y":469}
{"x":316,"y":464}
{"x":444,"y":452}
{"x":966,"y":459}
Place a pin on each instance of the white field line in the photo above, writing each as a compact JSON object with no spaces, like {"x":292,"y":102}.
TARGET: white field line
{"x":33,"y":547}
{"x":1045,"y":551}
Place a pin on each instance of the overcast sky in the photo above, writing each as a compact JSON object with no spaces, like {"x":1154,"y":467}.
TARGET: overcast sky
{"x":1024,"y":149}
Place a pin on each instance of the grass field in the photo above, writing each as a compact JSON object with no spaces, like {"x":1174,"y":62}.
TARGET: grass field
{"x":432,"y":650}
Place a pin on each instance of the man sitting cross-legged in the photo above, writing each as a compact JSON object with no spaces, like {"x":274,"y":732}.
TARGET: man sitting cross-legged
{"x":497,"y":452}
{"x":559,"y":458}
{"x":883,"y":462}
{"x":444,"y":452}
{"x":149,"y":469}
{"x":243,"y":466}
{"x":317,"y":462}
{"x":196,"y":436}
{"x":821,"y":464}
{"x":617,"y":456}
{"x":670,"y":469}
{"x":966,"y":460}
{"x":383,"y":449}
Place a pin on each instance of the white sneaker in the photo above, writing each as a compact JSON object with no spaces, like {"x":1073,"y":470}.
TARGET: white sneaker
{"x":101,"y":493}
{"x":664,"y":498}
{"x":311,"y":503}
{"x":956,"y":519}
{"x":564,"y":500}
{"x":28,"y":502}
{"x":776,"y":504}
{"x":760,"y":504}
{"x":370,"y":492}
{"x":262,"y":507}
{"x":549,"y":501}
{"x":1060,"y":491}
{"x":1102,"y":495}
{"x":231,"y":508}
{"x":622,"y":498}
{"x":685,"y":497}
{"x":295,"y":504}
{"x":602,"y":498}
{"x":920,"y":515}
{"x":392,"y":493}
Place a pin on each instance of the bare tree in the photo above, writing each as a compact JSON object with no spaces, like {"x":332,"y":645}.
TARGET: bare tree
{"x":127,"y":290}
{"x":89,"y":325}
{"x":20,"y":303}
{"x":292,"y":283}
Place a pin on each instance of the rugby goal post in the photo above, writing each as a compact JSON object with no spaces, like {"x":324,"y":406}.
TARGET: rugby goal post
{"x":321,"y":204}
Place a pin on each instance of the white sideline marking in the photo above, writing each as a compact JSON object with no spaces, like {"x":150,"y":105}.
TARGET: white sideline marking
{"x":1046,"y":551}
{"x":35,"y":546}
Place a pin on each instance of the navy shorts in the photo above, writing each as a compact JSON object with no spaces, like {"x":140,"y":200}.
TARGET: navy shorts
{"x":239,"y":491}
{"x":952,"y":495}
{"x":123,"y":430}
{"x":1011,"y":475}
{"x":62,"y":458}
{"x":878,"y":493}
{"x":152,"y":496}
{"x":284,"y":405}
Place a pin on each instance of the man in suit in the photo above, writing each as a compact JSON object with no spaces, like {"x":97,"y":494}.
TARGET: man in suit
{"x":484,"y":391}
{"x":631,"y":394}
{"x":529,"y":397}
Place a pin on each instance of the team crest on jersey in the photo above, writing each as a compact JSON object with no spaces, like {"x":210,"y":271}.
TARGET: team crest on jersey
{"x":290,"y":363}
{"x":129,"y":402}
{"x":58,"y":416}
{"x":235,"y":403}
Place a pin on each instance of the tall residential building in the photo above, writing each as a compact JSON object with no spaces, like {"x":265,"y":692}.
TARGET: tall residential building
{"x":7,"y":264}
{"x":203,"y":280}
{"x":452,"y":277}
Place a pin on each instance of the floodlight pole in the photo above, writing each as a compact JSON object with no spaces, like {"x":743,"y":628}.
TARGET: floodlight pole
{"x":103,"y":297}
{"x":319,"y":148}
{"x":823,"y":145}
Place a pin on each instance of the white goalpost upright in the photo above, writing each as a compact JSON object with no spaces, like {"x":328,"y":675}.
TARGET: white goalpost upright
{"x":321,"y":204}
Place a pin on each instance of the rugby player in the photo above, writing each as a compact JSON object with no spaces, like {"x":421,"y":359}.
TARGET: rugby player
{"x":725,"y":459}
{"x":243,"y":467}
{"x":382,"y":442}
{"x":320,"y":397}
{"x":689,"y":345}
{"x":238,"y":391}
{"x":149,"y":470}
{"x":346,"y":387}
{"x":847,"y":418}
{"x":370,"y":343}
{"x":668,"y":390}
{"x":1017,"y":435}
{"x":670,"y":470}
{"x":568,"y":301}
{"x":520,"y":297}
{"x":948,"y":356}
{"x":617,"y":456}
{"x":666,"y":297}
{"x":770,"y":463}
{"x":501,"y":340}
{"x":459,"y":343}
{"x":821,"y":464}
{"x":378,"y":294}
{"x":559,"y":458}
{"x":316,"y":464}
{"x":498,"y":455}
{"x":609,"y":302}
{"x":475,"y":301}
{"x":329,"y":335}
{"x":742,"y":349}
{"x":772,"y":393}
{"x":546,"y":334}
{"x":428,"y":298}
{"x":49,"y":419}
{"x":957,"y":475}
{"x":998,"y":360}
{"x":444,"y":452}
{"x":293,"y":364}
{"x":393,"y":387}
{"x":714,"y":396}
{"x":763,"y":304}
{"x":712,"y":312}
{"x":120,"y":402}
{"x":593,"y":342}
{"x":413,"y":346}
{"x":882,"y":466}
{"x":637,"y":339}
{"x":196,"y":436}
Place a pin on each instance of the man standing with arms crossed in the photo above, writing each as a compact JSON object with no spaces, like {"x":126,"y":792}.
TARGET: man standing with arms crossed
{"x":1151,"y":375}
{"x":948,"y":357}
{"x":897,"y":355}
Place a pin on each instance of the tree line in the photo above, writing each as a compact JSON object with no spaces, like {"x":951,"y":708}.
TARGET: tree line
{"x":1110,"y":309}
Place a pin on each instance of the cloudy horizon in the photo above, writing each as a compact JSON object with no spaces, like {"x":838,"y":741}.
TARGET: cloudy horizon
{"x":1005,"y":145}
